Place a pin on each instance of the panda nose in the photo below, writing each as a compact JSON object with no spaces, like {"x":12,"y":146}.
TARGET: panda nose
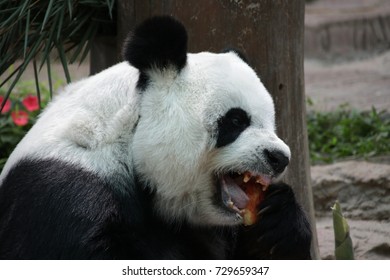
{"x":277,"y":159}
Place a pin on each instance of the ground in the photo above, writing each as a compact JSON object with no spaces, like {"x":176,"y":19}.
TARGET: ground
{"x":347,"y":61}
{"x":361,"y":83}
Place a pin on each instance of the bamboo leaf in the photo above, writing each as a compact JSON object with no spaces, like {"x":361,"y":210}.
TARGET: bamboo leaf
{"x":49,"y":76}
{"x":23,"y":8}
{"x":88,"y":33}
{"x":47,"y":14}
{"x":11,"y":18}
{"x":21,"y":70}
{"x":81,"y":23}
{"x":61,"y":53}
{"x":61,"y":21}
{"x":110,"y":5}
{"x":7,"y":94}
{"x":88,"y":46}
{"x":6,"y":11}
{"x":11,"y":75}
{"x":37,"y":83}
{"x":28,"y":27}
{"x":70,"y":9}
{"x":26,"y":33}
{"x":49,"y":44}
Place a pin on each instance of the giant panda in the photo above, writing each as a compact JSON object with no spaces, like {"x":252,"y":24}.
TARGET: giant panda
{"x":141,"y":161}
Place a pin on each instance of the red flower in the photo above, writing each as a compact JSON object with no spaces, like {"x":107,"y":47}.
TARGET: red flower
{"x":20,"y":118}
{"x":31,"y":103}
{"x":7,"y":105}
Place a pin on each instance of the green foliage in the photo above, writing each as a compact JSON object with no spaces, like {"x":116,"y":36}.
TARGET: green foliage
{"x":10,"y":135}
{"x":10,"y":132}
{"x":347,"y":133}
{"x":29,"y":28}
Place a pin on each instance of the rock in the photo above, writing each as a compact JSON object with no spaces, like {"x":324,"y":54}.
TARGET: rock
{"x":371,"y":239}
{"x":362,"y":188}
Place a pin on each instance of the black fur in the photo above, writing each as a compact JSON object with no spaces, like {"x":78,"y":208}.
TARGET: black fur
{"x":53,"y":210}
{"x":231,"y":125}
{"x":158,"y":42}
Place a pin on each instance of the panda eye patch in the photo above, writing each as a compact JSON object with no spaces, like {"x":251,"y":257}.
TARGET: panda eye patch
{"x":231,"y":125}
{"x":239,"y":121}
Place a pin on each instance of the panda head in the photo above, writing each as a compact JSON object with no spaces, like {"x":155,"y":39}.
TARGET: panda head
{"x":204,"y":119}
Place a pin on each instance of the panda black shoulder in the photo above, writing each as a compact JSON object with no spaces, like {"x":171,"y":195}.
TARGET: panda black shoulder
{"x":75,"y":212}
{"x":158,"y":42}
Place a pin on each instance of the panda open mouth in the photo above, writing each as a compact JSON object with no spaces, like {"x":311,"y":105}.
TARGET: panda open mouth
{"x":243,"y":193}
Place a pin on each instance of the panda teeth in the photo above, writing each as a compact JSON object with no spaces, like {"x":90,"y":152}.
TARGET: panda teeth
{"x":231,"y":205}
{"x":247,"y":177}
{"x":262,"y":180}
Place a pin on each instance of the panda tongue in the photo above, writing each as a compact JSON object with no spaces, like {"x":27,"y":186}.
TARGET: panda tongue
{"x":231,"y":190}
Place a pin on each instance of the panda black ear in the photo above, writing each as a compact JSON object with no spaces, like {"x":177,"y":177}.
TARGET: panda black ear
{"x":158,"y":42}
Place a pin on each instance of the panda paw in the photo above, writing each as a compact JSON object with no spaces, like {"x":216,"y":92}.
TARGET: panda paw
{"x":282,"y":232}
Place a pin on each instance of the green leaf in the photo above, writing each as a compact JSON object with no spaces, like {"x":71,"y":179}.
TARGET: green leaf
{"x":60,"y":23}
{"x":10,"y":75}
{"x":110,"y":4}
{"x":20,"y":71}
{"x":37,"y":83}
{"x":49,"y":76}
{"x":23,"y":7}
{"x":341,"y":134}
{"x":82,"y":42}
{"x":69,"y":2}
{"x":27,"y":27}
{"x":61,"y":53}
{"x":47,"y":14}
{"x":26,"y":33}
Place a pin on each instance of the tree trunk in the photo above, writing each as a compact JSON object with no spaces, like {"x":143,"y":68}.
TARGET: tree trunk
{"x":103,"y":54}
{"x":270,"y":33}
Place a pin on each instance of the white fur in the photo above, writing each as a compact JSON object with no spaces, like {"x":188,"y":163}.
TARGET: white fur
{"x":91,"y":123}
{"x":174,"y":147}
